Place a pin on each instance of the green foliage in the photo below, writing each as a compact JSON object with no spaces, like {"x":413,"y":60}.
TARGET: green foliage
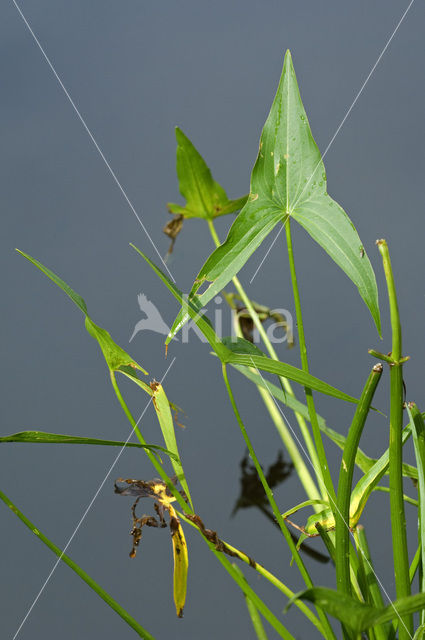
{"x":205,"y":198}
{"x":41,"y":437}
{"x":241,"y":352}
{"x":288,"y":182}
{"x":116,"y":358}
{"x":357,"y":615}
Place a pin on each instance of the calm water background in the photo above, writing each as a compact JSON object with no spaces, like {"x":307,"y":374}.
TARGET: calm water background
{"x":135,"y":70}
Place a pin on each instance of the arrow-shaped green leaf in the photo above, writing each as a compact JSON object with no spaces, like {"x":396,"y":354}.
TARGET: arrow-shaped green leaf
{"x":205,"y":198}
{"x":288,"y":179}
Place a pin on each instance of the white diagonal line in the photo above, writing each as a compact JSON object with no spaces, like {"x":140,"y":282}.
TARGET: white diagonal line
{"x":341,"y":124}
{"x":91,"y":136}
{"x":329,"y":496}
{"x":267,"y":253}
{"x":34,"y":602}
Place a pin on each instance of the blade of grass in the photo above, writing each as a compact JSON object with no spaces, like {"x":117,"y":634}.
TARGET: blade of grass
{"x":363,"y":461}
{"x":288,"y":179}
{"x":415,"y":563}
{"x":256,"y":600}
{"x":80,"y":572}
{"x":372,"y":591}
{"x":358,"y":615}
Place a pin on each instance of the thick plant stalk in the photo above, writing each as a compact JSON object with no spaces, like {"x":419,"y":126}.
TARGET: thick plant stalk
{"x":342,"y":515}
{"x":398,"y":520}
{"x":324,"y":468}
{"x":80,"y":572}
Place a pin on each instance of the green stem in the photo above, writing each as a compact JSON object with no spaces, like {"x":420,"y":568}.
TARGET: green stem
{"x":418,"y":430}
{"x":250,"y":593}
{"x":342,"y":515}
{"x":323,"y":469}
{"x":398,"y":520}
{"x":305,"y":478}
{"x":80,"y":572}
{"x":272,"y":501}
{"x":287,"y":439}
{"x":291,"y":447}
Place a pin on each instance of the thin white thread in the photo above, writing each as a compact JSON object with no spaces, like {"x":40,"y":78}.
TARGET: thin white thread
{"x":267,"y":253}
{"x":329,"y":496}
{"x":341,"y":124}
{"x":86,"y":512}
{"x":91,"y":136}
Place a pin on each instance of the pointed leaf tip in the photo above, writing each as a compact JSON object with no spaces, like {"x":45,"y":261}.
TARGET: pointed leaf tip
{"x":289,"y":178}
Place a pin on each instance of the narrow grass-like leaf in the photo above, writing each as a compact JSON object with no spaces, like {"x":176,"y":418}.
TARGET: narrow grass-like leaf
{"x":228,"y":353}
{"x":80,"y":572}
{"x":42,"y":437}
{"x":371,"y":589}
{"x":77,"y":299}
{"x":359,"y":496}
{"x":162,"y":408}
{"x":418,"y":430}
{"x":420,"y":633}
{"x":342,"y":512}
{"x":406,"y":498}
{"x":357,"y":615}
{"x":116,"y":358}
{"x":194,"y":312}
{"x":288,"y":371}
{"x":252,"y":610}
{"x":363,"y":461}
{"x":288,"y":179}
{"x":398,"y":518}
{"x":327,"y":540}
{"x":205,"y":198}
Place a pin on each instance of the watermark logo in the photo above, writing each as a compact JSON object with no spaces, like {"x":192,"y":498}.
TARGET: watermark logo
{"x":153,"y":320}
{"x":277,"y":323}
